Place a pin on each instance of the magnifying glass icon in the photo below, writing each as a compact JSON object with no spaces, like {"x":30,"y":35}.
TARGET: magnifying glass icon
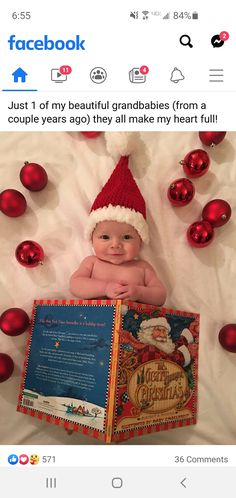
{"x":185,"y":40}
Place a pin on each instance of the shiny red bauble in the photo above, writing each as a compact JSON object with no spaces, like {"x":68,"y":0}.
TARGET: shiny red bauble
{"x":227,"y":337}
{"x":200,"y":234}
{"x":6,"y":367}
{"x":217,"y":212}
{"x":180,"y":192}
{"x":33,"y":176}
{"x":211,"y":138}
{"x":14,"y":321}
{"x":196,"y":163}
{"x":12,"y":203}
{"x":90,"y":134}
{"x":29,"y":254}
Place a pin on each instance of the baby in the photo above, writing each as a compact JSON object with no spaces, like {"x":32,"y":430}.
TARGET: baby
{"x":115,"y":271}
{"x":117,"y":227}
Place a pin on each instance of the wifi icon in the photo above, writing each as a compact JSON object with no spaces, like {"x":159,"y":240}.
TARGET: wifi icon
{"x":145,"y":14}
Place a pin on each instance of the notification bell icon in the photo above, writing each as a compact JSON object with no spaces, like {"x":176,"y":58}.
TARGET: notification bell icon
{"x":176,"y":75}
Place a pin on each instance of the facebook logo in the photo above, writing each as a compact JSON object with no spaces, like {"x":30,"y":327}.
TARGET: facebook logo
{"x":46,"y":44}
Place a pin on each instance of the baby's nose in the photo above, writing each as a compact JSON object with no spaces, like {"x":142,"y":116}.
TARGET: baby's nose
{"x":116,"y":242}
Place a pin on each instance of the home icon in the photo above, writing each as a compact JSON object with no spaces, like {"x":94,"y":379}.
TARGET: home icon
{"x":19,"y":75}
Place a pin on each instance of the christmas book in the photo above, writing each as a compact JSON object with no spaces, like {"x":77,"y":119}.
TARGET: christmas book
{"x":111,"y":369}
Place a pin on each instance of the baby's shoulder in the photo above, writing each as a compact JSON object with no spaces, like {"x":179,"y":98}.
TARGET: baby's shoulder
{"x":89,"y":261}
{"x":144,"y":264}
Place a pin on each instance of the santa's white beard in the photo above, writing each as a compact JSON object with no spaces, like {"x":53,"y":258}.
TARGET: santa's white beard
{"x":145,"y":336}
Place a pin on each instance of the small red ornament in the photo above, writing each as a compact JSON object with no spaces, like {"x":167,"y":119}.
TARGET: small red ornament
{"x":196,"y":163}
{"x":6,"y":367}
{"x":217,"y":212}
{"x":200,"y":234}
{"x":181,"y":192}
{"x":211,"y":138}
{"x":29,"y":253}
{"x":33,"y":176}
{"x":227,"y":337}
{"x":90,"y":134}
{"x":12,"y":203}
{"x":14,"y":321}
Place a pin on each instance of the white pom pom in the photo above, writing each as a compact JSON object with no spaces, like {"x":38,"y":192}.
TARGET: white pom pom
{"x":121,"y":143}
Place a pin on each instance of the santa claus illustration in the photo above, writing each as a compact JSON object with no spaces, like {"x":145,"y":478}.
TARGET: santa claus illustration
{"x":155,"y":333}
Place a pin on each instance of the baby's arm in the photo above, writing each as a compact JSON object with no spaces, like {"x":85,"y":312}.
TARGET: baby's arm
{"x":82,"y":285}
{"x":152,"y":292}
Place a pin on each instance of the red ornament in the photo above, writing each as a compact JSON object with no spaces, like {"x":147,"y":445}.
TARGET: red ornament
{"x":12,"y":203}
{"x":181,"y":192}
{"x":227,"y":337}
{"x":90,"y":134}
{"x":6,"y":367}
{"x":200,"y":234}
{"x":217,"y":212}
{"x":211,"y":138}
{"x":196,"y":163}
{"x":29,"y":253}
{"x":14,"y":321}
{"x":33,"y":176}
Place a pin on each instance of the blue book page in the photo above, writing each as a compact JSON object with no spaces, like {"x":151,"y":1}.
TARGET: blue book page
{"x":68,"y":366}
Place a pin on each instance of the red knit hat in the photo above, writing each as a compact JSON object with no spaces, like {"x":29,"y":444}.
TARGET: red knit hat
{"x":120,"y":200}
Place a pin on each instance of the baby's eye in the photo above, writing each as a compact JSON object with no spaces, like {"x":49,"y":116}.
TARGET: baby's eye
{"x":104,"y":237}
{"x":127,"y":237}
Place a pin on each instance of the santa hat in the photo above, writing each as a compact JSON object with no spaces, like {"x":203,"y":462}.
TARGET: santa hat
{"x":120,"y":200}
{"x":155,"y":322}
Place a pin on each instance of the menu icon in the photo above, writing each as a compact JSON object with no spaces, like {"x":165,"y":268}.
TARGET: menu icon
{"x":216,"y":75}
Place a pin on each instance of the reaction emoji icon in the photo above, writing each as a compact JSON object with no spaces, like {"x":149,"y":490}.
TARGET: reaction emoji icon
{"x":23,"y":459}
{"x":34,"y":459}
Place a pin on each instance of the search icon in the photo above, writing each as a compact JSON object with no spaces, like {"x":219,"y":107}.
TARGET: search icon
{"x":185,"y":40}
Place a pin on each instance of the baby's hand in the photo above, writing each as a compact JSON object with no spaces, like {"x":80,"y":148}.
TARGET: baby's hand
{"x":129,"y":291}
{"x":113,"y":289}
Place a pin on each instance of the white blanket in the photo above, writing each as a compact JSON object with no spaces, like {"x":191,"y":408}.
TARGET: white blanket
{"x":201,"y":280}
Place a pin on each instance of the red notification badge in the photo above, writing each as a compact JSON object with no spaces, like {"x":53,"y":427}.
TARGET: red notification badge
{"x":144,"y":69}
{"x":224,"y":35}
{"x":65,"y":69}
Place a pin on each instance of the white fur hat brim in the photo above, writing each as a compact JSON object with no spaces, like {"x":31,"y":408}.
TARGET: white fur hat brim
{"x":120,"y":214}
{"x":155,"y":322}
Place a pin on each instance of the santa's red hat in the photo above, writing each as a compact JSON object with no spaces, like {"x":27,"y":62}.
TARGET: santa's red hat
{"x":120,"y":200}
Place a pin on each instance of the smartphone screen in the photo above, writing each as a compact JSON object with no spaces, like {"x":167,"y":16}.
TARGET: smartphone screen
{"x":117,"y":316}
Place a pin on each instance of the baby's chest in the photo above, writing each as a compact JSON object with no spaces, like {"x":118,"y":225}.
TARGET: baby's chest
{"x":115,"y":273}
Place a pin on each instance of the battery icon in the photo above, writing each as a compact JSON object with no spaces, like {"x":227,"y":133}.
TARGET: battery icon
{"x":194,"y":15}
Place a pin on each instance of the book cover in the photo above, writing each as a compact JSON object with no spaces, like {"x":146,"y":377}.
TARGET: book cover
{"x":110,"y":369}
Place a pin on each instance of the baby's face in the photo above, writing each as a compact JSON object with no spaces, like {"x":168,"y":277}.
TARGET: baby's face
{"x":115,"y":242}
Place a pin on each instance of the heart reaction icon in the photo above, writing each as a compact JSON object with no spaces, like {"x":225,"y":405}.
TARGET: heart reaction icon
{"x":23,"y":459}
